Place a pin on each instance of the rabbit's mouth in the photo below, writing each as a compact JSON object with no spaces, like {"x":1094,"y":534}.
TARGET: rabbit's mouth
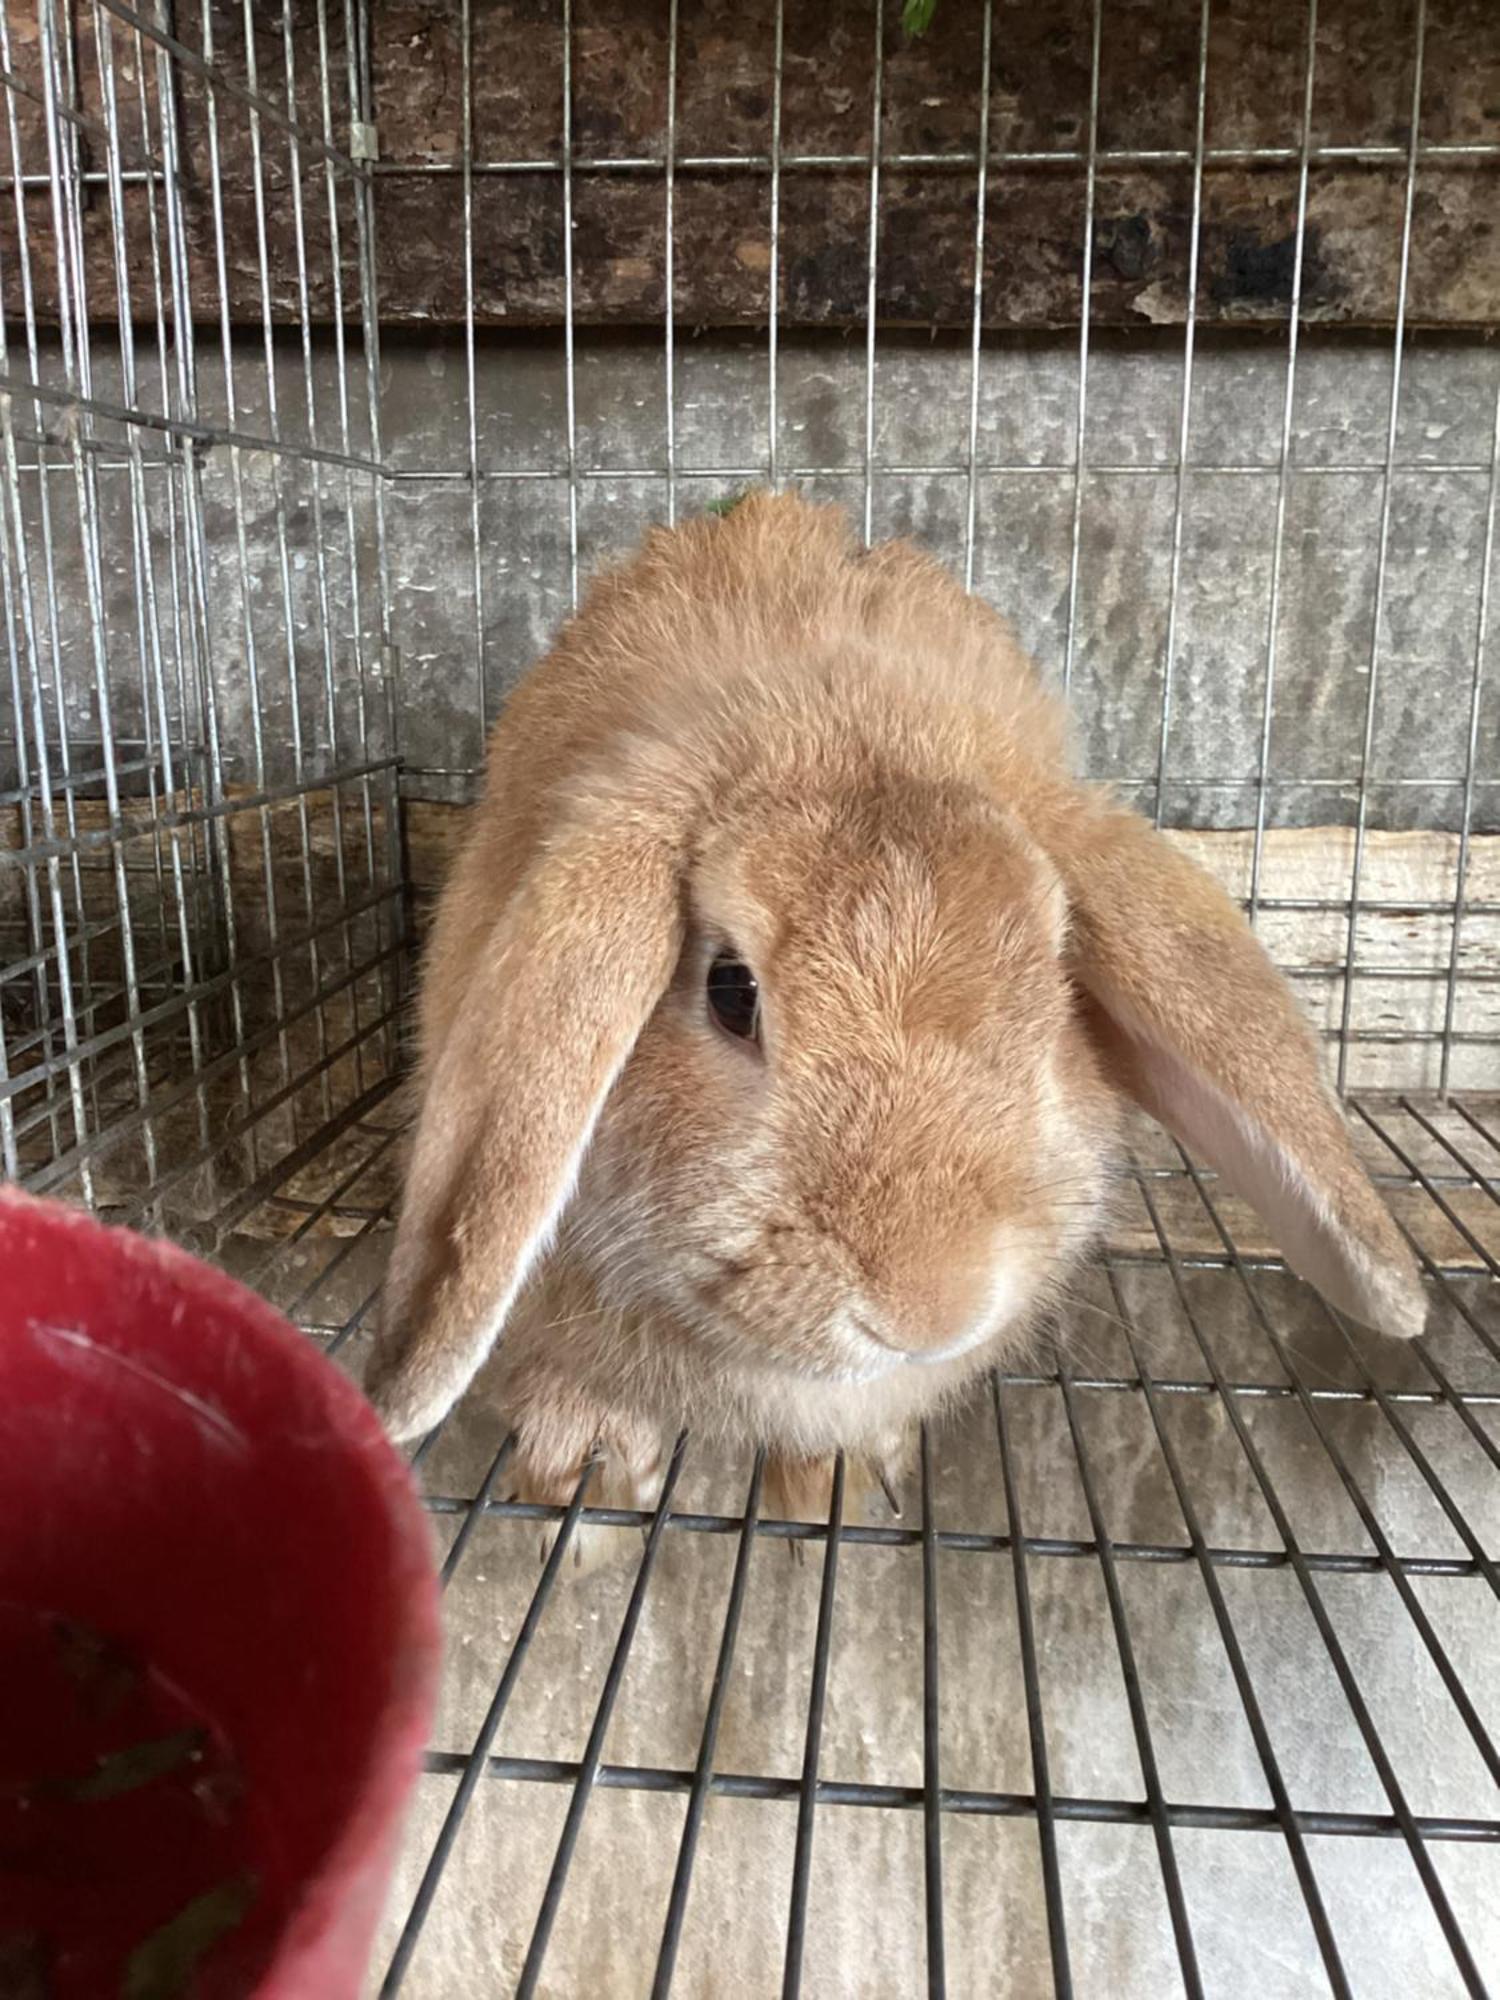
{"x":847,"y":1345}
{"x":890,"y":1351}
{"x":928,"y":1357}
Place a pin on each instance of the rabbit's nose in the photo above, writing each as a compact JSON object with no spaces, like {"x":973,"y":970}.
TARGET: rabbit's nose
{"x":947,"y":1297}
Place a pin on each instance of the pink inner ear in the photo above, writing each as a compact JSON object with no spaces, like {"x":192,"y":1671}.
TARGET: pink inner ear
{"x":1359,"y":1277}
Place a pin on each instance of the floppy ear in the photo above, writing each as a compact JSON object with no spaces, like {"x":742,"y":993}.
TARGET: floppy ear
{"x":1198,"y":1026}
{"x":563,"y":985}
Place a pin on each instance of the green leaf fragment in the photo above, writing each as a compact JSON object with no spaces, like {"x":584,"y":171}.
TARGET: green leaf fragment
{"x":917,"y":16}
{"x":163,"y":1967}
{"x":725,"y":506}
{"x":24,"y":1974}
{"x":127,"y":1770}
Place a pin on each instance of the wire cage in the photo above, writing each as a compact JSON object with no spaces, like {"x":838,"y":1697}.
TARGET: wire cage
{"x":339,"y":344}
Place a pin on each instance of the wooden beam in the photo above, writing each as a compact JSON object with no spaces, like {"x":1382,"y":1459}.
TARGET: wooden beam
{"x":1036,"y":208}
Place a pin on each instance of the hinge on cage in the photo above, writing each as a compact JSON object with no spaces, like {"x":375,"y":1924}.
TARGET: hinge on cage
{"x":364,"y":140}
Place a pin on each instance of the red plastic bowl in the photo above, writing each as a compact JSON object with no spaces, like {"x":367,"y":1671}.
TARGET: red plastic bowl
{"x":191,"y":1494}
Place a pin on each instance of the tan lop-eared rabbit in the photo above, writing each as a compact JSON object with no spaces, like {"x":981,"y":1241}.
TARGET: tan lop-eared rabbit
{"x":780,"y":1015}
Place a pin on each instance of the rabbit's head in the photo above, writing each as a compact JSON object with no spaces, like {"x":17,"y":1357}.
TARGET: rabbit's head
{"x":789,"y":972}
{"x":862,"y":1128}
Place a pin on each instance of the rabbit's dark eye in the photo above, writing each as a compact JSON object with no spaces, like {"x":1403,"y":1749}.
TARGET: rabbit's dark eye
{"x":734,"y":996}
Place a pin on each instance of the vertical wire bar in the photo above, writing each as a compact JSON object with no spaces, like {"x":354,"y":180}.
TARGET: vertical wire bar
{"x":1156,"y":1804}
{"x":473,"y":1771}
{"x":1284,"y":469}
{"x":872,"y":250}
{"x":1036,"y":1725}
{"x":320,"y":572}
{"x":79,"y":1005}
{"x":387,"y":911}
{"x":1411,"y":1603}
{"x":183,"y":384}
{"x":1174,"y":580}
{"x":932,"y":1779}
{"x":1387,"y":489}
{"x":1471,"y":757}
{"x":190,"y":921}
{"x":70,"y":93}
{"x":392,"y":965}
{"x":64,"y":190}
{"x":358,"y":106}
{"x":1255,"y":1720}
{"x":283,"y":555}
{"x":1070,"y":642}
{"x":195,"y":543}
{"x":466,"y":30}
{"x":67,"y":207}
{"x":703,"y":1771}
{"x":25,"y":607}
{"x":976,"y":332}
{"x":35,"y":652}
{"x":352,"y":535}
{"x":149,"y":635}
{"x":668,"y":285}
{"x":1375,"y":1748}
{"x":570,"y":397}
{"x":258,"y":765}
{"x":10,"y":1158}
{"x":807,"y":1800}
{"x":35,"y":924}
{"x":142,"y":573}
{"x":773,"y":301}
{"x":357,"y":51}
{"x":588,"y":1768}
{"x":34,"y":920}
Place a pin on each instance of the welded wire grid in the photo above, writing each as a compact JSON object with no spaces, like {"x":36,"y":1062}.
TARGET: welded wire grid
{"x":201,"y":908}
{"x":203,"y":954}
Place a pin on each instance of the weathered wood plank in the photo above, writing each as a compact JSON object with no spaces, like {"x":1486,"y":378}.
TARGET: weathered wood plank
{"x":1035,"y":215}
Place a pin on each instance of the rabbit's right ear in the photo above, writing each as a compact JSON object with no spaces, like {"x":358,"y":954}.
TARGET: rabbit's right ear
{"x":568,"y":977}
{"x":1196,"y":1024}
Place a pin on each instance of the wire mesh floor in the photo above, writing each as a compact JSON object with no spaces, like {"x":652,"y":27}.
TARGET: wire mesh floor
{"x":1176,"y":1663}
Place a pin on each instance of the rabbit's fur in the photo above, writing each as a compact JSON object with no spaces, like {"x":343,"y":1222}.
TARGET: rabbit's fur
{"x":839,"y":766}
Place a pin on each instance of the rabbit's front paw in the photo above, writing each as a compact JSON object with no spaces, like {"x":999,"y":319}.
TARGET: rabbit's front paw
{"x":561,"y":1440}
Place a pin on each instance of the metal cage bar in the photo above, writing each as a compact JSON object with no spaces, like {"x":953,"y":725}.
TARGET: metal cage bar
{"x":178,"y":783}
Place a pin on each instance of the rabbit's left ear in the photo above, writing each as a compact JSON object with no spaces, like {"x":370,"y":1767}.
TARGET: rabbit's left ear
{"x":1197,"y":1025}
{"x":570,"y":972}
